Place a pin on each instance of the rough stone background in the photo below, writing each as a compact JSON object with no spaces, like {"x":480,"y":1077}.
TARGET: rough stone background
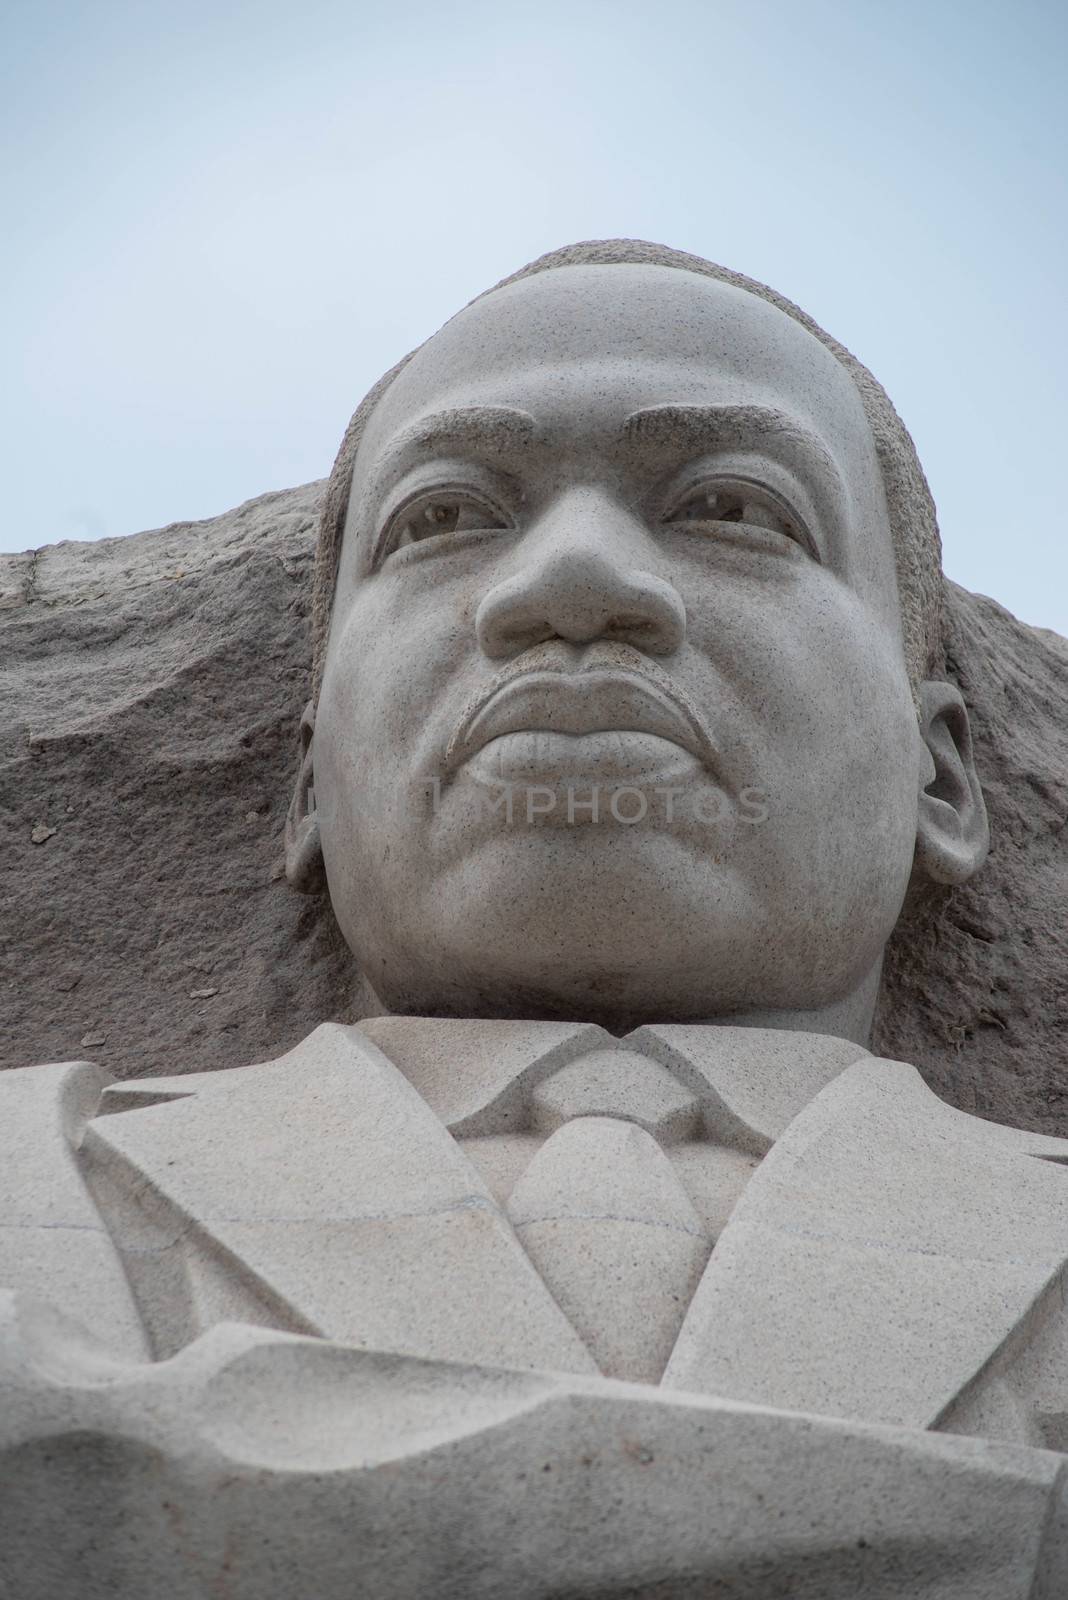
{"x":150,"y":689}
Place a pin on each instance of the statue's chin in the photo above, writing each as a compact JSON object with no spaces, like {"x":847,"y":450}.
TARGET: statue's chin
{"x":608,"y":999}
{"x":620,"y":929}
{"x":616,"y":981}
{"x":619,"y":1003}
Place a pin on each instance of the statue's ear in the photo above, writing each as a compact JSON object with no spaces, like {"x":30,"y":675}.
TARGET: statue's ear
{"x":952,"y":834}
{"x":304,"y":854}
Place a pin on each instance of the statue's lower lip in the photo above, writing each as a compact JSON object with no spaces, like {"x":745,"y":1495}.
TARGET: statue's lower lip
{"x":579,"y":761}
{"x":611,"y":710}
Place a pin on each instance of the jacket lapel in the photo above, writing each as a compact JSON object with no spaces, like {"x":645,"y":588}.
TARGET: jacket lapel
{"x":879,"y":1258}
{"x":749,"y":1082}
{"x":318,"y":1193}
{"x":877,"y":1266}
{"x":477,"y":1074}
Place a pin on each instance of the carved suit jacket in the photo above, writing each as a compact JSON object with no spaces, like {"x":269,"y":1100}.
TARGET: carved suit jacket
{"x":888,"y":1259}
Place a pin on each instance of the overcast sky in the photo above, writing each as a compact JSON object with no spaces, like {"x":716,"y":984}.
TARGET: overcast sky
{"x":225,"y":220}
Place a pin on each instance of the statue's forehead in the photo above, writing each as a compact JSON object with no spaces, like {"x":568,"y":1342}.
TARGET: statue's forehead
{"x":658,"y":333}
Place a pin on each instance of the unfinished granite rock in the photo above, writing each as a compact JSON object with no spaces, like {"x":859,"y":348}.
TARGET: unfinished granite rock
{"x":150,"y":692}
{"x":975,"y":989}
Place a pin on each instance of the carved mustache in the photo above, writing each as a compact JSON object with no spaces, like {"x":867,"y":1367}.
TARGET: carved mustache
{"x":614,"y":688}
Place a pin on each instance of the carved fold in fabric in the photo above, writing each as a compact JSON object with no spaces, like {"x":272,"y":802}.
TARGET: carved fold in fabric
{"x":356,"y":1217}
{"x":396,"y":1213}
{"x":322,"y":1193}
{"x":374,"y":1461}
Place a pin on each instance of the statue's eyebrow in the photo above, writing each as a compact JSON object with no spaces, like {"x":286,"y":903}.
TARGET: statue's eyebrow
{"x":490,"y":430}
{"x":689,"y":430}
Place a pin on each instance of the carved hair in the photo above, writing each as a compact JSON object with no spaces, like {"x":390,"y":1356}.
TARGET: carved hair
{"x":913,"y":523}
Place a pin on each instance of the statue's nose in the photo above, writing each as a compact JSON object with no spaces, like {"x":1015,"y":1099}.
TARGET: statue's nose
{"x":582,"y":580}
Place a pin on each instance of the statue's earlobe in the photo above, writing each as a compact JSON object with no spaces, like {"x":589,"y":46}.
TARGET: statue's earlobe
{"x":952,"y":833}
{"x":304,"y":854}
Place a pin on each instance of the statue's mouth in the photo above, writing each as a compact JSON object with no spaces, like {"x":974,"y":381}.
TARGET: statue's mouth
{"x":600,"y":721}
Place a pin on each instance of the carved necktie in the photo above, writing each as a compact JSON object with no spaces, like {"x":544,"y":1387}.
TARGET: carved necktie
{"x":602,"y":1213}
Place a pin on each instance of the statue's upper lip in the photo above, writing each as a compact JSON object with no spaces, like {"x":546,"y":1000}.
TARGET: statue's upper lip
{"x":596,"y":699}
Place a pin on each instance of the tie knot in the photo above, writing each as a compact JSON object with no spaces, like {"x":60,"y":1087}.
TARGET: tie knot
{"x":622,"y":1084}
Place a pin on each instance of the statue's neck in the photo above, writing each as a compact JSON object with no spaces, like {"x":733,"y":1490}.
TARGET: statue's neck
{"x":851,"y":1018}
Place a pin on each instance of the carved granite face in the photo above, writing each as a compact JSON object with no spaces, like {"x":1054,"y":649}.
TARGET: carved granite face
{"x":617,"y":539}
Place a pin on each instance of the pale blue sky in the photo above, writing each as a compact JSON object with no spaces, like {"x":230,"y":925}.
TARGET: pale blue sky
{"x":224,"y":220}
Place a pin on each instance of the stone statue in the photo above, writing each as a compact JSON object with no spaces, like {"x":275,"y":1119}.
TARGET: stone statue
{"x":603,"y":1257}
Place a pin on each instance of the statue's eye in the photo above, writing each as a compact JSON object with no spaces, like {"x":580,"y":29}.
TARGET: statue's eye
{"x":442,"y":512}
{"x":712,"y":504}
